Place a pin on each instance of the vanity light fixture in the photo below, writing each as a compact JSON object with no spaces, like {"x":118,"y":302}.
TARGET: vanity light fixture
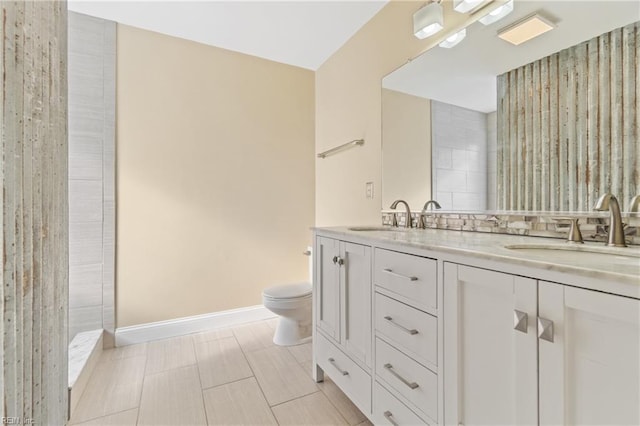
{"x":454,"y":39}
{"x":464,"y":6}
{"x":497,"y":14}
{"x":525,"y":29}
{"x":428,"y":20}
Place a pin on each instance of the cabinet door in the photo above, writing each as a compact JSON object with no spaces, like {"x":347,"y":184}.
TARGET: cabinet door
{"x":490,"y":368}
{"x":327,"y":287}
{"x":355,"y":275}
{"x":590,"y":373}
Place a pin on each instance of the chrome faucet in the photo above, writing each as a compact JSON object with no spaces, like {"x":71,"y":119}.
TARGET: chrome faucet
{"x":407,"y":222}
{"x":634,"y":204}
{"x":616,"y":231}
{"x":431,"y":203}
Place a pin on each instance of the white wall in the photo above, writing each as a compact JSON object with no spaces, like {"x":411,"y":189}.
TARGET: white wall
{"x":348,"y":106}
{"x":215,"y":177}
{"x":406,"y":136}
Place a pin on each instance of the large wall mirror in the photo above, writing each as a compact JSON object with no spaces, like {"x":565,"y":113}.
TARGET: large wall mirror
{"x":442,"y":110}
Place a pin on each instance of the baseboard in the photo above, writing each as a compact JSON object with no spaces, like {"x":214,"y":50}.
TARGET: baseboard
{"x":188,"y":325}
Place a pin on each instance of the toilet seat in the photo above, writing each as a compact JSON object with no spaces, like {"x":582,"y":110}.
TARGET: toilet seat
{"x":288,"y":291}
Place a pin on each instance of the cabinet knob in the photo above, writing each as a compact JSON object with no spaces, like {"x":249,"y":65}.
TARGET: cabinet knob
{"x":335,"y":259}
{"x":340,"y":261}
{"x":520,"y":321}
{"x":545,"y":329}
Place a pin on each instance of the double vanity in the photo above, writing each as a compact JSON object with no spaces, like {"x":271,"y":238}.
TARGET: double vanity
{"x":428,"y":326}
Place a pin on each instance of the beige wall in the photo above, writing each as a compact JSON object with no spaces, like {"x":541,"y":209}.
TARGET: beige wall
{"x":348,"y":107}
{"x":215,"y":177}
{"x":406,"y":132}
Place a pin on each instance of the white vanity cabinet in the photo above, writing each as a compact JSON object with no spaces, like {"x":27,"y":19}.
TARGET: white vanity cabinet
{"x":590,"y":373}
{"x":342,"y":316}
{"x":406,"y":332}
{"x":490,"y":369}
{"x":522,"y":351}
{"x":426,"y":333}
{"x":343,"y":296}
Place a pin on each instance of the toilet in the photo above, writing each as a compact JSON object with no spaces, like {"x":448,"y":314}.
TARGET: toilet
{"x":292,"y":303}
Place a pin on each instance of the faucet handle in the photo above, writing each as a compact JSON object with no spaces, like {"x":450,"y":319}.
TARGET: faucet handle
{"x":574,"y":236}
{"x":634,"y":204}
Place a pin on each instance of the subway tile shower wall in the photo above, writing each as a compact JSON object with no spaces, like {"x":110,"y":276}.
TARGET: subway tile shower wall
{"x":594,"y":228}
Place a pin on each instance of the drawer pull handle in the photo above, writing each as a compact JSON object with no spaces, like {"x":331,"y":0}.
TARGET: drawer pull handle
{"x":412,"y":385}
{"x":395,"y":274}
{"x":389,"y":416}
{"x":333,"y":362}
{"x":405,"y":329}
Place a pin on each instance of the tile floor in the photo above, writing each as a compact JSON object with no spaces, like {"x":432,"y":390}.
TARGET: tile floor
{"x":234,"y":376}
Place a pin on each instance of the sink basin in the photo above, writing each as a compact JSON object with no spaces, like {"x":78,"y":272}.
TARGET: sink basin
{"x":615,"y":259}
{"x":551,"y":249}
{"x":376,"y":228}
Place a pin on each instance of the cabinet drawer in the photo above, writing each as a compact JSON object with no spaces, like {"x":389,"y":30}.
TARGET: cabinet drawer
{"x":412,"y":278}
{"x":388,"y":410}
{"x":356,"y":383}
{"x":416,"y":383}
{"x":412,"y":331}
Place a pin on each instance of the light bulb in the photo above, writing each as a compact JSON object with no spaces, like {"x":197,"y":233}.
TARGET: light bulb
{"x":497,"y":14}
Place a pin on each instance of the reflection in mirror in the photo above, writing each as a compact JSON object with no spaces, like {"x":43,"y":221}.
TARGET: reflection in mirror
{"x":446,"y":149}
{"x":406,"y":132}
{"x":464,"y":145}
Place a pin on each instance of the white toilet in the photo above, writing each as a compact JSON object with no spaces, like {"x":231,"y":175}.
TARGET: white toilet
{"x":292,"y":302}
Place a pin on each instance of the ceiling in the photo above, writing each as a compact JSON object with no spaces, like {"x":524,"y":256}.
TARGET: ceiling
{"x":295,"y":32}
{"x":465,"y":74}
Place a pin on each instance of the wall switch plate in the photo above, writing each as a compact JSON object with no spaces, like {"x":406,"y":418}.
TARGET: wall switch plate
{"x":369,"y":190}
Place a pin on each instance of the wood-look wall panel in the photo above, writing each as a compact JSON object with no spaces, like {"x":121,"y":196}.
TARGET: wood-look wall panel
{"x":536,"y":108}
{"x":527,"y":149}
{"x":572,"y":119}
{"x":513,"y":141}
{"x":545,"y":139}
{"x":636,"y":173}
{"x":34,"y":223}
{"x":516,"y":145}
{"x":617,"y":159}
{"x":582,"y":145}
{"x":500,"y":149}
{"x":630,"y":114}
{"x":563,"y":120}
{"x":604,"y":103}
{"x":593,"y":162}
{"x":554,"y":113}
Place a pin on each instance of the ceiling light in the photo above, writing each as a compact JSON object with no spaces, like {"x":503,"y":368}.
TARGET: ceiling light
{"x":497,"y":14}
{"x":525,"y":29}
{"x":428,"y":20}
{"x":454,"y":39}
{"x":464,"y":6}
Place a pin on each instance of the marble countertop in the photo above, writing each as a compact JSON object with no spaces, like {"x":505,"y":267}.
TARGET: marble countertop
{"x":593,"y":260}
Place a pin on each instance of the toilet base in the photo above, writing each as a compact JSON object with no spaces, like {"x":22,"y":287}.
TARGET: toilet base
{"x":291,"y":332}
